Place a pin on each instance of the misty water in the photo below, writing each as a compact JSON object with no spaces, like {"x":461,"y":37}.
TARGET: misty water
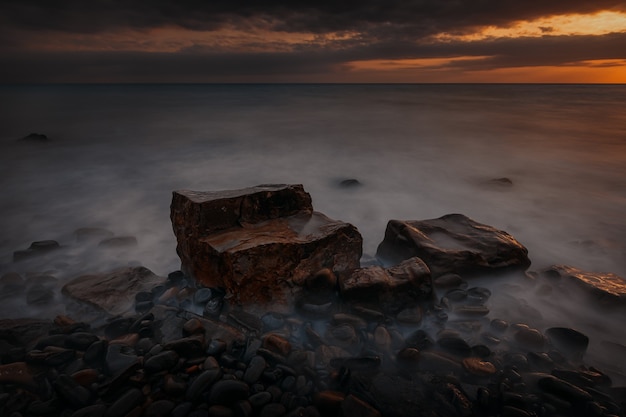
{"x":117,"y":152}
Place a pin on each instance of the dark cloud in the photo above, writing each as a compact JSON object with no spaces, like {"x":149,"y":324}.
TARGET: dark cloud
{"x":207,"y":66}
{"x":415,"y":16}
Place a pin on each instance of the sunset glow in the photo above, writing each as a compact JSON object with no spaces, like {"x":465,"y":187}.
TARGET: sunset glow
{"x":447,"y":42}
{"x":577,"y":24}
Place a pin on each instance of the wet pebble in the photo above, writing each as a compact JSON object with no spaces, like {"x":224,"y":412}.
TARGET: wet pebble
{"x":202,"y":383}
{"x":161,"y":362}
{"x":530,"y":338}
{"x":476,"y":366}
{"x":273,"y":410}
{"x":448,"y":281}
{"x":272,"y":321}
{"x":160,"y":408}
{"x":130,"y":399}
{"x":570,"y":342}
{"x":255,"y":369}
{"x":226,"y":392}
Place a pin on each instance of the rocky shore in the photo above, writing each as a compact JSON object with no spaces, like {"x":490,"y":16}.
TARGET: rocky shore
{"x":272,"y":314}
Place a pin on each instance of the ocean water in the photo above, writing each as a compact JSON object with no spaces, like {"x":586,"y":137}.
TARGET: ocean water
{"x":116,"y":152}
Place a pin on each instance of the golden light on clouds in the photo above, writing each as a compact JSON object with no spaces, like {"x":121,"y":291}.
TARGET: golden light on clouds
{"x":573,"y":24}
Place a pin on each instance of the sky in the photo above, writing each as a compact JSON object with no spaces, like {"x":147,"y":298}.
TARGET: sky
{"x":311,"y":41}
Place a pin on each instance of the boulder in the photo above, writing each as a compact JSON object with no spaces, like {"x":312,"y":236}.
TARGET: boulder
{"x":607,"y":288}
{"x":256,"y":243}
{"x":113,"y":292}
{"x":453,"y":243}
{"x":391,"y":289}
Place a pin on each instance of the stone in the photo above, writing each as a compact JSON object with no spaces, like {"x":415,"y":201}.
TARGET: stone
{"x":530,"y":338}
{"x":113,"y":292}
{"x":35,"y":137}
{"x":225,"y":392}
{"x":354,"y":406}
{"x":88,"y":234}
{"x":350,"y":183}
{"x":71,"y":392}
{"x":606,"y":288}
{"x":161,"y":362}
{"x":452,"y":244}
{"x":125,"y":403}
{"x":392,"y":288}
{"x":17,"y":373}
{"x":160,"y":408}
{"x":258,"y":242}
{"x":255,"y":369}
{"x":118,"y":242}
{"x":36,"y":249}
{"x":570,"y":342}
{"x":38,"y":295}
{"x":203,"y":383}
{"x":476,"y":366}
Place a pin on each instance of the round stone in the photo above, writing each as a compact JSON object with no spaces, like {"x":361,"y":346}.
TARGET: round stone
{"x":476,"y":366}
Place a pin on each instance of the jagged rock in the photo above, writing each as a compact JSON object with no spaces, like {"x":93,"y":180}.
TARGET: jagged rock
{"x":258,"y":242}
{"x":609,"y":289}
{"x":392,"y":288}
{"x":113,"y":292}
{"x":453,"y":243}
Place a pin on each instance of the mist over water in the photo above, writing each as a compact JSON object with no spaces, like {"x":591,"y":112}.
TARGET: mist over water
{"x":420,"y":151}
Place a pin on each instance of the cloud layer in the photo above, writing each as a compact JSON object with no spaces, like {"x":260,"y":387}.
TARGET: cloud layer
{"x":177,"y":41}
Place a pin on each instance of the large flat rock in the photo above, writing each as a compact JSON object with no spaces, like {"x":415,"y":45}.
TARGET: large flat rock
{"x":113,"y":292}
{"x":265,"y":242}
{"x":453,"y":243}
{"x":607,"y":288}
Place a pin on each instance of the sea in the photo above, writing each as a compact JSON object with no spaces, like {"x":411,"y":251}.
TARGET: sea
{"x":546,"y":163}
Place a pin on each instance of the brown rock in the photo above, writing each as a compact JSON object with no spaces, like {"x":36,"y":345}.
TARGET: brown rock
{"x":113,"y":292}
{"x":453,"y":243}
{"x":392,"y":289}
{"x":609,"y":289}
{"x":258,"y":242}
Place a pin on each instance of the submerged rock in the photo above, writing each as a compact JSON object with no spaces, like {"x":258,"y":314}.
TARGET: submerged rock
{"x":258,"y":242}
{"x":36,"y":249}
{"x":113,"y":292}
{"x":454,"y":244}
{"x":607,"y":288}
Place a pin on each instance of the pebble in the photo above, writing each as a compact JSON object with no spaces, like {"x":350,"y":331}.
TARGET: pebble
{"x":448,"y":281}
{"x":131,"y":398}
{"x":277,"y":344}
{"x":255,"y":369}
{"x":476,"y":366}
{"x":530,"y":338}
{"x":160,"y":408}
{"x":161,"y":362}
{"x":95,"y":410}
{"x":272,"y":321}
{"x":273,"y":410}
{"x":259,"y":399}
{"x":202,"y":383}
{"x":227,"y":392}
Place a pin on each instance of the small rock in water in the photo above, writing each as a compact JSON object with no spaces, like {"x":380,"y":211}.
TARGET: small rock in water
{"x":39,"y":295}
{"x":350,"y":183}
{"x":35,"y":137}
{"x":87,"y":234}
{"x":119,"y":242}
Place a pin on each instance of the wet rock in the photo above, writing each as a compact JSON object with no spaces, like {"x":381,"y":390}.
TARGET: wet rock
{"x":255,"y":369}
{"x":530,"y":338}
{"x":213,"y":307}
{"x":448,"y":281}
{"x":455,"y":345}
{"x":434,"y":362}
{"x":113,"y":292}
{"x":50,"y":356}
{"x":202,"y":295}
{"x":259,"y":399}
{"x":119,"y":242}
{"x":190,"y":347}
{"x":130,"y":399}
{"x":161,"y":362}
{"x":411,"y":315}
{"x":476,"y":366}
{"x":471,"y":311}
{"x":203,"y":383}
{"x":227,"y":392}
{"x":38,"y":248}
{"x":71,"y":392}
{"x":562,"y":389}
{"x":38,"y":295}
{"x":453,"y":244}
{"x":498,"y":325}
{"x":353,"y":406}
{"x":276,"y":343}
{"x":120,"y":358}
{"x":81,"y":340}
{"x":350,"y":183}
{"x":321,"y":284}
{"x":606,"y":288}
{"x":392,"y":288}
{"x":90,"y":234}
{"x":35,"y":137}
{"x":160,"y":408}
{"x":245,"y":240}
{"x":17,"y":373}
{"x":95,"y":410}
{"x":272,"y":321}
{"x":570,"y":342}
